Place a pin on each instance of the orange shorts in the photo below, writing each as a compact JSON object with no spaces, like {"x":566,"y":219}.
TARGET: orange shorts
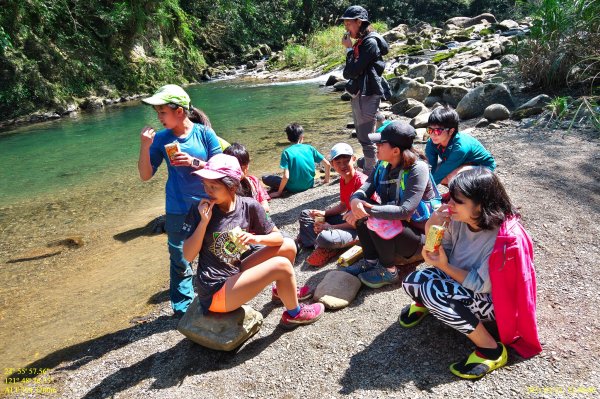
{"x":218,"y":301}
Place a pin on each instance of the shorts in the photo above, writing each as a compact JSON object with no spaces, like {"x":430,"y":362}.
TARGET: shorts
{"x":218,"y":301}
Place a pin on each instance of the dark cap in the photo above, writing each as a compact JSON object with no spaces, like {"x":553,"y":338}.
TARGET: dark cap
{"x":356,"y":12}
{"x":399,"y":134}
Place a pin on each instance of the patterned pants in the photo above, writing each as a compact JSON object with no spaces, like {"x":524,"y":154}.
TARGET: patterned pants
{"x":447,"y":300}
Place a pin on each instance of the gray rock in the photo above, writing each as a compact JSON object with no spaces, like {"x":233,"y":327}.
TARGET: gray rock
{"x":403,"y":88}
{"x":482,"y":123}
{"x":337,"y":290}
{"x":471,"y":69}
{"x":426,"y":71}
{"x":251,"y":64}
{"x":340,"y":85}
{"x":345,"y":96}
{"x":509,"y":59}
{"x":404,"y":105}
{"x":333,"y":79}
{"x":478,"y":99}
{"x":421,"y":120}
{"x":494,"y":126}
{"x":92,"y":103}
{"x":448,"y":94}
{"x":429,"y":101}
{"x":492,"y":64}
{"x":508,"y":24}
{"x":496,"y":112}
{"x":414,"y":111}
{"x":421,"y":134}
{"x":532,"y":107}
{"x":394,"y":36}
{"x":465,"y":22}
{"x":220,"y":331}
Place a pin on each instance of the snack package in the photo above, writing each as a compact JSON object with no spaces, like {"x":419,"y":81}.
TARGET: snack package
{"x":172,"y":149}
{"x":350,"y":256}
{"x":434,"y":238}
{"x":234,"y":236}
{"x":319,"y":219}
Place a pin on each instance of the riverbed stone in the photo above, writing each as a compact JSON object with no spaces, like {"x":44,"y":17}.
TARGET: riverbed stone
{"x":532,"y":107}
{"x":416,"y":110}
{"x":426,"y":71}
{"x":345,"y":96}
{"x":447,"y":94}
{"x":482,"y":123}
{"x":220,"y":331}
{"x":509,"y":59}
{"x":340,"y":85}
{"x":92,"y":103}
{"x":478,"y":99}
{"x":465,"y":22}
{"x":403,"y":88}
{"x":421,"y":120}
{"x":337,"y":289}
{"x":508,"y":24}
{"x":404,"y":105}
{"x":333,"y":79}
{"x":496,"y":112}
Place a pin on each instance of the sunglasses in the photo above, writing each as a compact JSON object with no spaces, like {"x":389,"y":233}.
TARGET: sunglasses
{"x":436,"y":131}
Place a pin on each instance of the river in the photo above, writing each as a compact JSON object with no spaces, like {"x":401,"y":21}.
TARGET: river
{"x":77,"y":177}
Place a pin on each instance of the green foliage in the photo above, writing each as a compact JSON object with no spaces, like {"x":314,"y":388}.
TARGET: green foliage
{"x":298,"y":56}
{"x":566,"y":112}
{"x":564,"y":46}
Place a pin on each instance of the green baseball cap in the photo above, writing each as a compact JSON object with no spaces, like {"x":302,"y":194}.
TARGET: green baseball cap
{"x":169,"y":94}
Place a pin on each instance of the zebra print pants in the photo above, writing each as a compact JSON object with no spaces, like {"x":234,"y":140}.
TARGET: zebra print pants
{"x":447,"y":300}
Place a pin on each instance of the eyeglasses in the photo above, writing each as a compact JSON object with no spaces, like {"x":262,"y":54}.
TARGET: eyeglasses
{"x":436,"y":131}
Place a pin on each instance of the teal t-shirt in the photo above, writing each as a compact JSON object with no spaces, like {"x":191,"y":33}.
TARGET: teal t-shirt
{"x":300,"y":160}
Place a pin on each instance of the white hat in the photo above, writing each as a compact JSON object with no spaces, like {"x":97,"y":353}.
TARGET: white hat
{"x":340,"y":149}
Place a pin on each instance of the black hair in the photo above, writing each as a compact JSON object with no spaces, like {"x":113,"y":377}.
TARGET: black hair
{"x":365,"y":29}
{"x":444,"y":116}
{"x":232,"y":185}
{"x":294,"y":132}
{"x":194,"y":114}
{"x":240,"y":152}
{"x":483,"y":187}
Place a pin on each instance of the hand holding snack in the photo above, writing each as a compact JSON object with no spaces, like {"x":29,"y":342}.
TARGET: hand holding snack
{"x":438,"y":259}
{"x":182,"y":159}
{"x":346,"y":41}
{"x":440,"y":216}
{"x":147,"y":135}
{"x":172,"y":149}
{"x":320,"y":226}
{"x":241,"y":239}
{"x":314,"y":213}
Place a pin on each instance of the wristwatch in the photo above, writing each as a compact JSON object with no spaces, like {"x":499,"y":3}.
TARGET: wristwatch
{"x":196,"y":163}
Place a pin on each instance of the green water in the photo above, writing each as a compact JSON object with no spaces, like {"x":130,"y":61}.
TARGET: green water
{"x":70,"y":152}
{"x":78,"y":176}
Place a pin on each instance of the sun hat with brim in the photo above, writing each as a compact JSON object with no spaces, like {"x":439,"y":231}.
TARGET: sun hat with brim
{"x":169,"y":94}
{"x":219,"y":166}
{"x":340,"y":149}
{"x":399,"y":134}
{"x":356,"y":12}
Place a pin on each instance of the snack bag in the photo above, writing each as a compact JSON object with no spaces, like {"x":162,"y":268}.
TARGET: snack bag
{"x":234,"y":236}
{"x":350,"y":256}
{"x":434,"y":237}
{"x":172,"y":149}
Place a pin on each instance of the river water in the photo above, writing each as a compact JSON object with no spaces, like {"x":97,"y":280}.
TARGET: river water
{"x":77,"y":177}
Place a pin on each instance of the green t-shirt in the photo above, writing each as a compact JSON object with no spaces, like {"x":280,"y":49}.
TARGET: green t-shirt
{"x":300,"y":160}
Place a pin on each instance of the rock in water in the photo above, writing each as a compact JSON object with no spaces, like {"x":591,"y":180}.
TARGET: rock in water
{"x":220,"y":331}
{"x":337,"y":289}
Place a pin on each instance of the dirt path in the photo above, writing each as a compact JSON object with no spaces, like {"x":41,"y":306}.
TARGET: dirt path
{"x":361,"y":351}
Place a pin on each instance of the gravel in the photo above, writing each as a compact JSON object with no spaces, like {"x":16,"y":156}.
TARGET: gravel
{"x":361,"y":351}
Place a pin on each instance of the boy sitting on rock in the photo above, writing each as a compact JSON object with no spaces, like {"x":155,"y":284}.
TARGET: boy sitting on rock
{"x":327,"y":229}
{"x":298,"y":164}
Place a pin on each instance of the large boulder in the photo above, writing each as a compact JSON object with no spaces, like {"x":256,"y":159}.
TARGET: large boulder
{"x":450,"y":95}
{"x":220,"y":331}
{"x":532,"y":107}
{"x":416,"y":110}
{"x":496,"y":112}
{"x":465,"y":22}
{"x":477,"y":100}
{"x":426,"y":71}
{"x":337,"y":290}
{"x":333,"y":79}
{"x":403,"y":88}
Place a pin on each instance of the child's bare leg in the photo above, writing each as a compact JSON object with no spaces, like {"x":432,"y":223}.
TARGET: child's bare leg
{"x":244,"y":286}
{"x":287,"y":250}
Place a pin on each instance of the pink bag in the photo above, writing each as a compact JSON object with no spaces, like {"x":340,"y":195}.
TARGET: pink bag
{"x":386,"y":229}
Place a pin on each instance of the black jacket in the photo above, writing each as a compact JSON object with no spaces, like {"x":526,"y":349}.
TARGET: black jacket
{"x":364,"y":73}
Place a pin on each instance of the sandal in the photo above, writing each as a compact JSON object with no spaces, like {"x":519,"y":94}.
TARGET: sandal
{"x":475,"y":366}
{"x":412,"y":315}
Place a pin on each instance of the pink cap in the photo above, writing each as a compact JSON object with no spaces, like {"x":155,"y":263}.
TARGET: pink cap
{"x":219,"y":166}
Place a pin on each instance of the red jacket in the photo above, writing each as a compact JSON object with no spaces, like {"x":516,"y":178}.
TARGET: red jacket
{"x":514,"y":288}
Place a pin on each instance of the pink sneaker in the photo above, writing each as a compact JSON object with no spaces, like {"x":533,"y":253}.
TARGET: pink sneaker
{"x":304,"y":293}
{"x":308,"y":314}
